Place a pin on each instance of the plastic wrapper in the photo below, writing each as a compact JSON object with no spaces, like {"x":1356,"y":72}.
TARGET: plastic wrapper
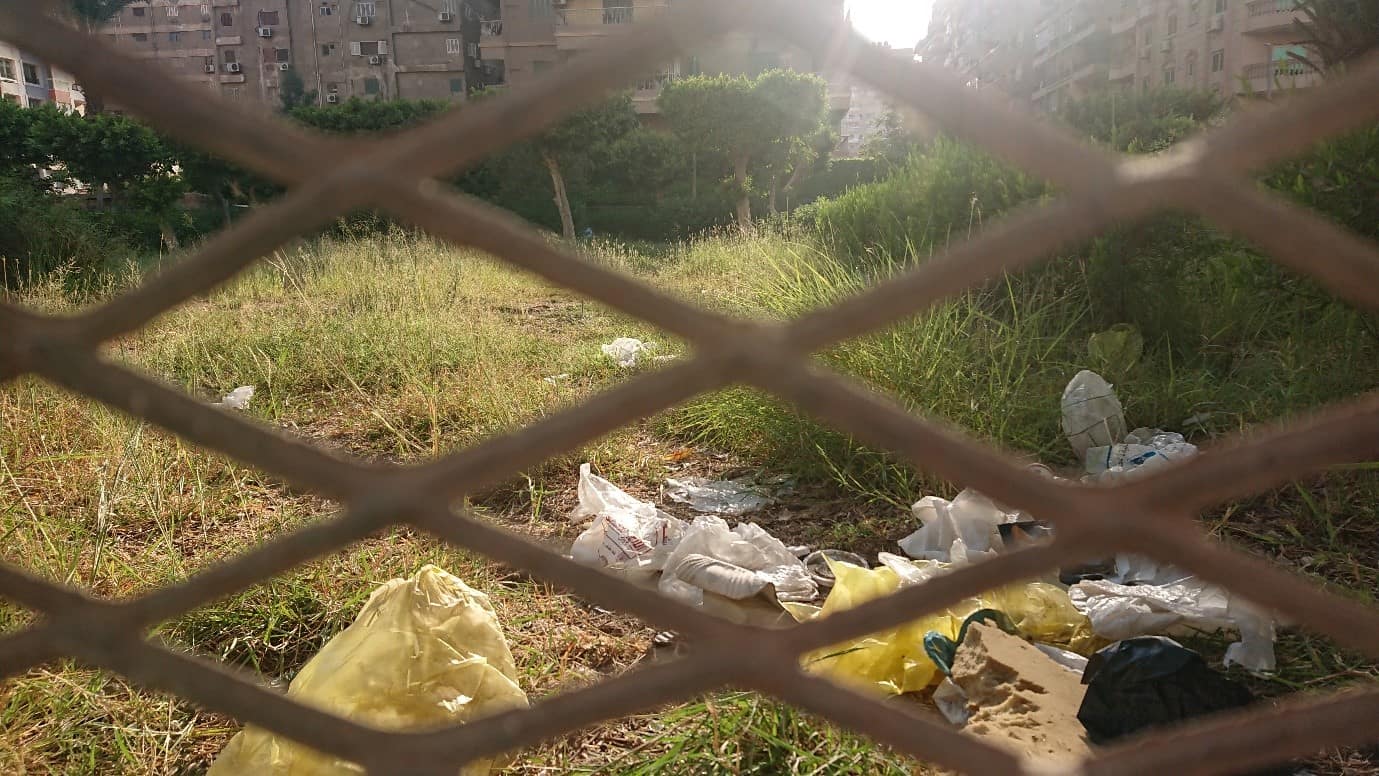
{"x":960,"y":531}
{"x":1143,"y":451}
{"x":238,"y":399}
{"x":719,"y":497}
{"x":627,"y":533}
{"x":1092,"y":415}
{"x":626,"y":351}
{"x":424,"y":652}
{"x":894,"y":661}
{"x":746,"y":546}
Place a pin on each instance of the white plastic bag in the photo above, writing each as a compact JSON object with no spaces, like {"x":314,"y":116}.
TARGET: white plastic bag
{"x":626,"y":351}
{"x":1144,"y":450}
{"x":424,"y":652}
{"x":1120,"y":611}
{"x":1092,"y":415}
{"x":747,"y":546}
{"x":718,"y":497}
{"x":238,"y":399}
{"x":626,"y":534}
{"x":961,"y":531}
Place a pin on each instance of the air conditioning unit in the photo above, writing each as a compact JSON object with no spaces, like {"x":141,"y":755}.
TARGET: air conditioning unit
{"x":232,"y":67}
{"x":446,"y":16}
{"x":1218,"y":24}
{"x":363,"y":21}
{"x":332,"y":98}
{"x":284,"y":66}
{"x":376,"y":59}
{"x":210,"y":68}
{"x":265,"y":32}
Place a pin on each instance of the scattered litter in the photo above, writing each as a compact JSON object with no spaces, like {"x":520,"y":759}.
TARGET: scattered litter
{"x":894,"y":661}
{"x":665,"y":358}
{"x":1157,"y":605}
{"x":961,"y":531}
{"x":424,"y":652}
{"x":1092,"y":415}
{"x":1148,"y":682}
{"x":626,"y":534}
{"x":553,"y":379}
{"x":744,"y":556}
{"x":719,"y":497}
{"x":818,"y":564}
{"x":238,"y":399}
{"x":1017,"y":698}
{"x":799,"y":550}
{"x":626,"y":351}
{"x":1117,"y":349}
{"x":1143,"y":451}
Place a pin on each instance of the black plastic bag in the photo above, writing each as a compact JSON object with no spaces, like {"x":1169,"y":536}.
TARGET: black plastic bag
{"x":1146,"y":682}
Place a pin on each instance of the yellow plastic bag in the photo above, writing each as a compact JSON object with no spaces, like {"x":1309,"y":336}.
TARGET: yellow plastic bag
{"x":424,"y":652}
{"x":893,"y":662}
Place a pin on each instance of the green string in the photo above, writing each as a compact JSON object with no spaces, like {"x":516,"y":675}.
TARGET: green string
{"x":942,"y":650}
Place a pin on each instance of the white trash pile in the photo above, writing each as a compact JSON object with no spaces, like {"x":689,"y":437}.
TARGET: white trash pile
{"x":638,"y":540}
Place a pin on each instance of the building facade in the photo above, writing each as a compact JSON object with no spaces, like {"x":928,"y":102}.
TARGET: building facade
{"x":1237,"y":48}
{"x":530,"y":37}
{"x":244,"y":49}
{"x":27,"y":81}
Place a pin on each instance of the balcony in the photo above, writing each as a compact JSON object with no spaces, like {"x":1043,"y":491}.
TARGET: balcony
{"x":1276,"y":76}
{"x":1263,"y":16}
{"x":581,"y":28}
{"x":1119,"y":71}
{"x":648,"y":91}
{"x":1064,"y":42}
{"x":491,"y":42}
{"x":1082,"y":76}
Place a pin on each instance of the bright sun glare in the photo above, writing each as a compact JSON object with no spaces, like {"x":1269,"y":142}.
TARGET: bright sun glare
{"x":901,"y":23}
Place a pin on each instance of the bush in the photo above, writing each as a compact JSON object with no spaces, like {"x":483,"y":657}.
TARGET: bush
{"x":40,"y":232}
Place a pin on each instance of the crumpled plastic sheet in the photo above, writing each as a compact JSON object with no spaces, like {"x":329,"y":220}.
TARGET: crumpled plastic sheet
{"x":747,"y":546}
{"x":238,"y":399}
{"x":1092,"y":415}
{"x":1143,"y":451}
{"x":960,"y":531}
{"x":719,"y":497}
{"x":626,"y":351}
{"x":1166,"y":601}
{"x":424,"y":652}
{"x":627,"y":533}
{"x":893,"y":661}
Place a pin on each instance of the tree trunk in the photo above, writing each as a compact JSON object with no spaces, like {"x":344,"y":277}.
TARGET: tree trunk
{"x":225,"y":208}
{"x":744,"y":199}
{"x":562,"y":199}
{"x":694,"y":176}
{"x":775,"y":192}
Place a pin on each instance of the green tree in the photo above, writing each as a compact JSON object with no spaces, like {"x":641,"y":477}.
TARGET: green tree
{"x":1142,"y":122}
{"x":1338,"y":31}
{"x":90,"y":15}
{"x":293,"y":93}
{"x":575,"y":143}
{"x":744,"y":119}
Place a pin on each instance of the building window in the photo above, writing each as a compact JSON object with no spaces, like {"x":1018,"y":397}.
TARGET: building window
{"x":283,"y":55}
{"x":1169,"y":75}
{"x":230,"y":55}
{"x":31,"y":75}
{"x":456,"y":85}
{"x":268,"y":18}
{"x":540,"y":9}
{"x":6,"y":69}
{"x":326,"y":10}
{"x":1220,"y":6}
{"x":1173,"y":25}
{"x":368,"y":48}
{"x":332,"y":88}
{"x":1192,"y":63}
{"x":1148,"y":34}
{"x":208,"y":63}
{"x":1194,"y":13}
{"x":139,"y":37}
{"x":205,"y":34}
{"x":365,"y":10}
{"x":174,"y":37}
{"x":473,"y":49}
{"x":327,"y":49}
{"x":233,"y":92}
{"x":1144,"y":85}
{"x":452,"y":45}
{"x":371,"y":86}
{"x":1218,"y":60}
{"x":137,"y":11}
{"x":227,"y":20}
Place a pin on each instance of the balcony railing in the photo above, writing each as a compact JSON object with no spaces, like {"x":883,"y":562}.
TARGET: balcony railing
{"x":491,"y":28}
{"x":597,"y":17}
{"x":1267,"y":7}
{"x":657,"y":82}
{"x":1267,"y":15}
{"x":1276,"y":69}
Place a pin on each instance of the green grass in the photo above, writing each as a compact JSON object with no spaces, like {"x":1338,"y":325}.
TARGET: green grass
{"x":400,"y":349}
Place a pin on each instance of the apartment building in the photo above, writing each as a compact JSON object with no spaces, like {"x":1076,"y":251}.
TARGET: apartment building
{"x":1237,"y":48}
{"x":27,"y":81}
{"x":242,"y":49}
{"x":530,"y":37}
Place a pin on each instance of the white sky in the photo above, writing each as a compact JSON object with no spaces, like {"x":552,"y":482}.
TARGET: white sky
{"x":900,"y":23}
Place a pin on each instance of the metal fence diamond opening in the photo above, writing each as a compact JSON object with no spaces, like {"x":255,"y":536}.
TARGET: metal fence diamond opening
{"x":328,"y":177}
